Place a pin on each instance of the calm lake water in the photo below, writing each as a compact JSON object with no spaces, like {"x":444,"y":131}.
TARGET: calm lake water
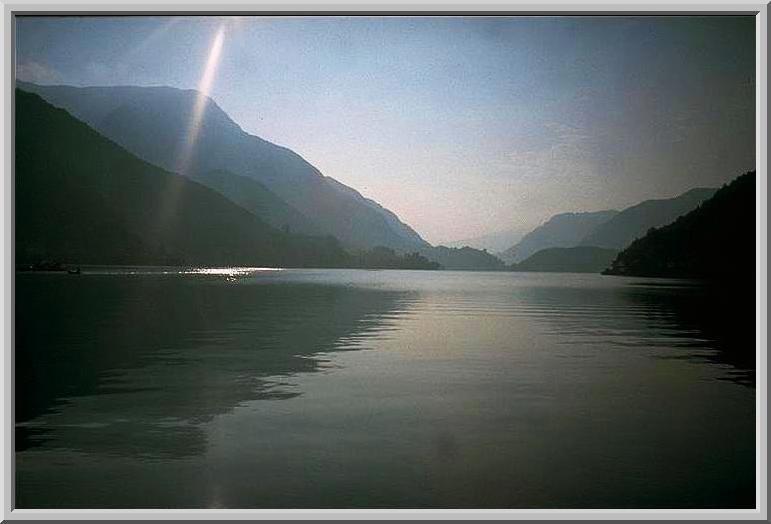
{"x":341,"y":388}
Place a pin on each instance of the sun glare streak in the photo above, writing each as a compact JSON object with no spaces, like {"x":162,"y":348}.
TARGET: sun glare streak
{"x":168,"y":208}
{"x":204,"y":89}
{"x":211,"y":64}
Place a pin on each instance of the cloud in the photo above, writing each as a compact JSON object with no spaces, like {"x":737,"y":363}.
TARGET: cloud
{"x":37,"y":73}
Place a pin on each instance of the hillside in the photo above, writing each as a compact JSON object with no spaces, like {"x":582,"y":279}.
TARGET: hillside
{"x":635,"y":221}
{"x":155,"y":124}
{"x":81,"y":198}
{"x":563,"y":230}
{"x":714,"y":241}
{"x":493,"y":242}
{"x":257,"y":199}
{"x":464,"y":258}
{"x":582,"y":259}
{"x":387,"y":258}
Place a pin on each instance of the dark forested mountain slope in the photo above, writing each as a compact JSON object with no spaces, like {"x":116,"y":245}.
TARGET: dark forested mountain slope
{"x":633,"y":222}
{"x":257,"y":199}
{"x":580,"y":259}
{"x":159,"y":124}
{"x":715,"y":240}
{"x":81,"y":198}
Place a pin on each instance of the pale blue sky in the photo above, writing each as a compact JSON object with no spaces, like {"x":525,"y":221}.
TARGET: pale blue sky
{"x":461,"y":125}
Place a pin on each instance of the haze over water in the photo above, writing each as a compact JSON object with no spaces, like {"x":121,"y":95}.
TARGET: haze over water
{"x":157,"y":388}
{"x":463,"y":126}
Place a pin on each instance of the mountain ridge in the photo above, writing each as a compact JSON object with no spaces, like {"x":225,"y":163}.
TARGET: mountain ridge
{"x":495,"y":242}
{"x":82,"y":198}
{"x":152,"y":123}
{"x":701,"y":243}
{"x":560,"y":230}
{"x":634,"y":221}
{"x":578,"y":259}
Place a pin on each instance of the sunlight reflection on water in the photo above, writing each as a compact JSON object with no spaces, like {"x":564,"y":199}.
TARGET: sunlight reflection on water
{"x":230,"y":272}
{"x":265,"y":388}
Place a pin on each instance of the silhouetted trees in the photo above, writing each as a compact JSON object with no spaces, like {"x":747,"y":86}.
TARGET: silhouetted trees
{"x":714,"y":241}
{"x":386,"y":258}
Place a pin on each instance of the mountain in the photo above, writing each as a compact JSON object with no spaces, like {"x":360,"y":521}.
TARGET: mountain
{"x":494,"y":242}
{"x":464,"y":258}
{"x":633,"y":222}
{"x":563,"y":230}
{"x":257,"y":199}
{"x":715,"y":241}
{"x":581,"y":259}
{"x":81,"y":198}
{"x":185,"y":132}
{"x":387,"y":258}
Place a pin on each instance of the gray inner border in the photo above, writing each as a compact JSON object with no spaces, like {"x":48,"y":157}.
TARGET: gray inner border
{"x":194,"y":8}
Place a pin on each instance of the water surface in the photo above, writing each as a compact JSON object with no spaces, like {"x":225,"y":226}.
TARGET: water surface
{"x":161,"y":388}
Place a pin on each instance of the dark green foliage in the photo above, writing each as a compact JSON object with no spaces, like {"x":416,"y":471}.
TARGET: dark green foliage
{"x":581,"y":259}
{"x":81,"y":198}
{"x":714,"y":241}
{"x":464,"y":258}
{"x":633,"y":222}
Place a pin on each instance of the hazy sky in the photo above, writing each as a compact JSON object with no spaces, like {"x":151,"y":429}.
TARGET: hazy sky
{"x":461,"y":125}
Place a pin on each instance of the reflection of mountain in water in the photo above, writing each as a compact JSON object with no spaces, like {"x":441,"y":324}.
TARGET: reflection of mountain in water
{"x":723,"y":317}
{"x":701,"y":322}
{"x":500,"y":389}
{"x":140,"y":361}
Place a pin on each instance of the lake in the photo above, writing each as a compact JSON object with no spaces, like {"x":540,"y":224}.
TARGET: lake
{"x":257,"y":388}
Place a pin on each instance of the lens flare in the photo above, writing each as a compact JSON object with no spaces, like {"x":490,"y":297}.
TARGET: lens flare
{"x":170,"y":195}
{"x":204,"y":88}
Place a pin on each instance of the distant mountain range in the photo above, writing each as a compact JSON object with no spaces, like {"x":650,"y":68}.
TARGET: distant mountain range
{"x":633,"y":222}
{"x":494,"y":242}
{"x":157,"y":125}
{"x":95,"y":202}
{"x":272,"y":182}
{"x":606,"y":229}
{"x":464,"y":258}
{"x":580,"y":259}
{"x":563,"y":230}
{"x":81,"y":198}
{"x":100,"y":183}
{"x":715,"y":241}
